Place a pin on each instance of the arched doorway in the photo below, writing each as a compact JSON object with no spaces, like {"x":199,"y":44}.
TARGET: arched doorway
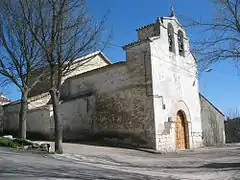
{"x":182,"y":132}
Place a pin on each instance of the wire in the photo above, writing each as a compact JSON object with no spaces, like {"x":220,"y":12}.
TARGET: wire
{"x":187,"y":70}
{"x":180,"y":67}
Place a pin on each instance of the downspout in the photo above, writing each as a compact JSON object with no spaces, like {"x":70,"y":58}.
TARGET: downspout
{"x":146,"y":85}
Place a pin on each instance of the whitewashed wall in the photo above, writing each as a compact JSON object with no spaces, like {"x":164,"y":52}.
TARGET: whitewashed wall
{"x":173,"y":78}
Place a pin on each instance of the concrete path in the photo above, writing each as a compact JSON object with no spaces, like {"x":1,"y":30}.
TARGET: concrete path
{"x":94,"y":162}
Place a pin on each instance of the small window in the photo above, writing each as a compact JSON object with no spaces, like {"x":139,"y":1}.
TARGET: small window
{"x":180,"y":43}
{"x":171,"y":38}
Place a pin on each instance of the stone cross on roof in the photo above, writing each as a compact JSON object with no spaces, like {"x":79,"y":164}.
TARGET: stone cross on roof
{"x":172,"y":9}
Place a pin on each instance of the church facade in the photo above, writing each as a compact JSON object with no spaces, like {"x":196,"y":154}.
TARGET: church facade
{"x":151,"y":100}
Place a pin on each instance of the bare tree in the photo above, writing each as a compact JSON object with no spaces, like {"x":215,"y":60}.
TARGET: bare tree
{"x":220,"y":36}
{"x":66,"y":33}
{"x":233,"y":113}
{"x":20,"y":55}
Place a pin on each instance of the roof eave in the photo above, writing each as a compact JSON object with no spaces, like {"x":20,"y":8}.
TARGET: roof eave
{"x":211,"y":104}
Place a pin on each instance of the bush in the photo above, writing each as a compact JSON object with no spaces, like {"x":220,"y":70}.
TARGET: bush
{"x":21,"y":142}
{"x":6,"y":142}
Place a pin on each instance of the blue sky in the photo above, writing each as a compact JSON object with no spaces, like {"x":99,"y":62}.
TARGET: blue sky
{"x":221,"y":86}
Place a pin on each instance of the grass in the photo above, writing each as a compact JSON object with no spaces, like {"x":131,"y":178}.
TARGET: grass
{"x":13,"y":143}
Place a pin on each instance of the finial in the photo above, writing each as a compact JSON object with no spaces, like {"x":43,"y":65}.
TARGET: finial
{"x":172,"y":10}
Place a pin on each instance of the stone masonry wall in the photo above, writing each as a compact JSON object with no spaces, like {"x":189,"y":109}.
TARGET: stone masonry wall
{"x":121,"y":114}
{"x":149,"y":31}
{"x":38,"y":122}
{"x":165,"y":139}
{"x":122,"y":110}
{"x":212,"y":123}
{"x":77,"y":118}
{"x":39,"y":96}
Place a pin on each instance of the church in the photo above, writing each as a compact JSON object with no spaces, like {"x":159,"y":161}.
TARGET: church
{"x":151,"y":100}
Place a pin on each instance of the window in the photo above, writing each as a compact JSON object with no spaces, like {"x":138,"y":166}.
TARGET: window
{"x":171,"y":38}
{"x":180,"y":43}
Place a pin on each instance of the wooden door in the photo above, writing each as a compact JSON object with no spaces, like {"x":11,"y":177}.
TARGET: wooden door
{"x":180,"y":132}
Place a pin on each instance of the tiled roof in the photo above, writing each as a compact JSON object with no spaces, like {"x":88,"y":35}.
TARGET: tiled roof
{"x":149,"y":39}
{"x":145,"y":26}
{"x":201,"y":95}
{"x":44,"y":86}
{"x":135,"y":43}
{"x":91,"y":55}
{"x":4,"y":100}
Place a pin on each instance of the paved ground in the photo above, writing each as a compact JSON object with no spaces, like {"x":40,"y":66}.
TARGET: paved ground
{"x":91,"y":162}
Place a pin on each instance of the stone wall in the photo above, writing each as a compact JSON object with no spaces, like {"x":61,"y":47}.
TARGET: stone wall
{"x":149,"y":30}
{"x":212,"y":124}
{"x":80,"y":66}
{"x":120,"y":107}
{"x":122,"y":115}
{"x":77,"y":118}
{"x":165,"y":139}
{"x":10,"y":118}
{"x":39,"y":123}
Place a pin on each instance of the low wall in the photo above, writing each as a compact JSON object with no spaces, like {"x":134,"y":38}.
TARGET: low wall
{"x":38,"y":122}
{"x":76,"y":115}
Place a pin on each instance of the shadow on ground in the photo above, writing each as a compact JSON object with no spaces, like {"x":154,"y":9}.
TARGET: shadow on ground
{"x":217,"y":166}
{"x":66,"y":172}
{"x":221,"y":165}
{"x":117,"y":144}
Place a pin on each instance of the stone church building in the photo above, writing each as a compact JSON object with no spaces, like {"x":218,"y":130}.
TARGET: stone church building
{"x":150,"y":100}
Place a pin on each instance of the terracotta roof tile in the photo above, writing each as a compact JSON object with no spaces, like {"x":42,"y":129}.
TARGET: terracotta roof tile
{"x":4,"y":100}
{"x":145,"y":26}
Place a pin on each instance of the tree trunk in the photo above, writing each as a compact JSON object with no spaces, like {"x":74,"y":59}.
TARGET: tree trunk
{"x":23,"y":116}
{"x":57,"y":121}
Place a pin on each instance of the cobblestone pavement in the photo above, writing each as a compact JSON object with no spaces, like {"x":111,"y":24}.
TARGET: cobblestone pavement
{"x":94,"y":162}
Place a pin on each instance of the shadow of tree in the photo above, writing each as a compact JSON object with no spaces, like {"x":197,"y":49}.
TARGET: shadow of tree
{"x":221,"y":165}
{"x":65,"y":172}
{"x":117,"y":144}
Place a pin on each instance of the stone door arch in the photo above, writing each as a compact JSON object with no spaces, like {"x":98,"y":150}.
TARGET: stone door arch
{"x":182,"y":131}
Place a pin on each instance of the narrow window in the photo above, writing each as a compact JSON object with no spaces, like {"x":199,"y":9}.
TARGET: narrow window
{"x":171,"y":38}
{"x":180,"y":43}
